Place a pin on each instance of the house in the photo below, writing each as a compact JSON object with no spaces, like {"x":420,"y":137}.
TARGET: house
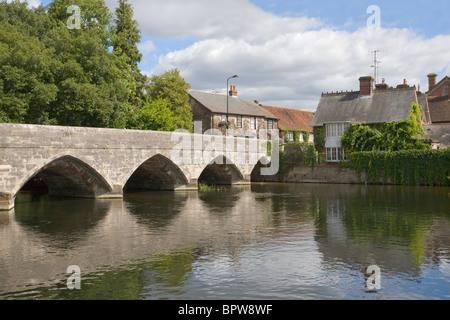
{"x":291,"y":121}
{"x":370,"y":105}
{"x":438,"y":100}
{"x":247,"y":118}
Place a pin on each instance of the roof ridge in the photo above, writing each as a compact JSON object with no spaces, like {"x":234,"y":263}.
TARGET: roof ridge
{"x":286,"y":108}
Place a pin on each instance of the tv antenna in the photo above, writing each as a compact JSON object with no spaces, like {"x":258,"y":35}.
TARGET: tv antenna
{"x":376,"y":63}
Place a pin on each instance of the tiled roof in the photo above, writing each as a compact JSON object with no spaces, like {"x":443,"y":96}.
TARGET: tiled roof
{"x":438,"y":133}
{"x":382,"y":106}
{"x":292,"y":119}
{"x":439,"y":109}
{"x":217,"y":103}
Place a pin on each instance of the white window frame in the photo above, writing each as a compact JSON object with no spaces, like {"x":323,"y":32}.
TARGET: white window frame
{"x":336,"y":129}
{"x":335,"y":154}
{"x":239,"y":122}
{"x":269,"y":124}
{"x":253,"y":123}
{"x":290,"y":136}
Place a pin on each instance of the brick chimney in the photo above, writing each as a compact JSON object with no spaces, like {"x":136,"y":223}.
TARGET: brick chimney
{"x":404,"y":85}
{"x":233,"y":92}
{"x":431,"y":81}
{"x":366,"y":85}
{"x":382,"y":86}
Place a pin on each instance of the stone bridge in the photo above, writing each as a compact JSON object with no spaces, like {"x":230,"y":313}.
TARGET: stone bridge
{"x":106,"y":163}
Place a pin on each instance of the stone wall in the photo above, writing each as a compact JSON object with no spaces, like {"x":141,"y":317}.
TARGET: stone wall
{"x":324,"y":174}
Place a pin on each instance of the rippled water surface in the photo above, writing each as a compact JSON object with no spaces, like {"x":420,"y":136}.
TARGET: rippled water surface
{"x":265,"y":241}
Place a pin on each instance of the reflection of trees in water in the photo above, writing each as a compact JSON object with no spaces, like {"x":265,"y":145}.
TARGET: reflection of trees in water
{"x":61,"y":221}
{"x":155,"y":209}
{"x":161,"y":275}
{"x":394,"y":224}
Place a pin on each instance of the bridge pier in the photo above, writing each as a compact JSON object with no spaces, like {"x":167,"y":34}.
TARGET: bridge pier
{"x":6,"y":202}
{"x":116,"y":193}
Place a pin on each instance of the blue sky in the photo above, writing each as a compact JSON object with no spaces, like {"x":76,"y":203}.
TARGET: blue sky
{"x":424,"y":16}
{"x":288,"y":52}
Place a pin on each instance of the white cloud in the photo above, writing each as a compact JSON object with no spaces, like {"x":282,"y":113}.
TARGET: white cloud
{"x":147,"y":47}
{"x":293,"y":69}
{"x":281,"y":61}
{"x":202,"y":19}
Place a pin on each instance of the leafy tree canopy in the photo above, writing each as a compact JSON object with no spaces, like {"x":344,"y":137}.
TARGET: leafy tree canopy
{"x":52,"y":75}
{"x":172,"y":87}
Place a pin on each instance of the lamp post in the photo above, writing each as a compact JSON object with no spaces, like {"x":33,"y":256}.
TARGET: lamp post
{"x":228,"y":95}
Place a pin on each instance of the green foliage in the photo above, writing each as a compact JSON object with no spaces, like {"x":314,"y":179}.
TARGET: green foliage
{"x":95,"y":16}
{"x":154,"y":115}
{"x":319,"y":138}
{"x":319,"y":142}
{"x":25,"y":77}
{"x":172,"y":87}
{"x":126,"y":34}
{"x":52,"y":75}
{"x":391,"y":136}
{"x":408,"y":167}
{"x":404,"y":135}
{"x":204,"y":187}
{"x":125,"y":37}
{"x":297,"y":134}
{"x":297,"y":155}
{"x":361,"y":138}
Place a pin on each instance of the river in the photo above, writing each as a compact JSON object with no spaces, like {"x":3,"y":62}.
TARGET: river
{"x":262,"y":242}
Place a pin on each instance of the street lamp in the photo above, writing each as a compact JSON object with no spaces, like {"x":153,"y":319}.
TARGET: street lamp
{"x":228,"y":80}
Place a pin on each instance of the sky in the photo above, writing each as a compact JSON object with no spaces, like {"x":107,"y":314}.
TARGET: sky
{"x":287,"y":53}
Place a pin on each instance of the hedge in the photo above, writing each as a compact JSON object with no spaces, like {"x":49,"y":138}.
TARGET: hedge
{"x":411,"y":167}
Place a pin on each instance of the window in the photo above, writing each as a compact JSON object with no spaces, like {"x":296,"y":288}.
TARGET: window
{"x":224,"y":117}
{"x":239,"y":121}
{"x":336,"y":129}
{"x":269,"y":124}
{"x":446,"y":91}
{"x":253,"y":123}
{"x":335,"y":154}
{"x":290,"y":136}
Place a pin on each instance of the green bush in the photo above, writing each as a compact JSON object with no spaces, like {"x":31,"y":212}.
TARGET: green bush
{"x":410,"y":167}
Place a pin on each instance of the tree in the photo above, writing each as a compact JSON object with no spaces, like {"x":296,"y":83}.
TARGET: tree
{"x":91,"y":91}
{"x":154,"y":115}
{"x":50,"y":74}
{"x":125,"y":37}
{"x":404,"y":135}
{"x":26,"y":87}
{"x":172,"y":87}
{"x":94,"y":14}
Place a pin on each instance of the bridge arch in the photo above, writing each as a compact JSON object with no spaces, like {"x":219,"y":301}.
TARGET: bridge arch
{"x":220,"y":171}
{"x":156,"y":173}
{"x":69,"y":176}
{"x":256,"y":175}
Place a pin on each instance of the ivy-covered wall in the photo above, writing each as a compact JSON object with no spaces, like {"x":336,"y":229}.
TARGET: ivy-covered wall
{"x":410,"y":167}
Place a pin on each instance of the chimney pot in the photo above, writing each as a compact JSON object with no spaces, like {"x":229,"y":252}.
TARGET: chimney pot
{"x":233,"y":91}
